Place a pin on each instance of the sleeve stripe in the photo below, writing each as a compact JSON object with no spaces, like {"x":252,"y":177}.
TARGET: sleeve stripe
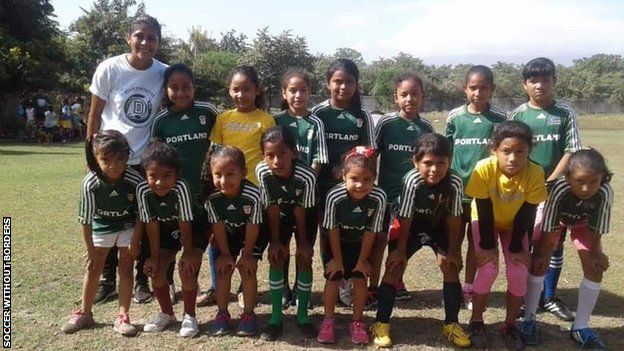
{"x":184,"y":200}
{"x":551,"y":208}
{"x":333,"y":197}
{"x":408,"y":194}
{"x":87,"y":204}
{"x":322,"y":144}
{"x":573,"y":126}
{"x":456,"y":184}
{"x":253,"y":194}
{"x":371,"y":131}
{"x":454,"y":113}
{"x":212,"y":213}
{"x":604,"y":213}
{"x":382,"y":121}
{"x":262,"y":171}
{"x":157,"y":118}
{"x":208,"y":106}
{"x":308,"y":177}
{"x":380,"y":196}
{"x":142,"y":191}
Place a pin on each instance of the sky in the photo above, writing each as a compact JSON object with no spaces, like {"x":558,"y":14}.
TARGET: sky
{"x":437,"y":31}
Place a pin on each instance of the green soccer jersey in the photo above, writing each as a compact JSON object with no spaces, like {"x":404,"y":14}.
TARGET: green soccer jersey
{"x":309,"y":136}
{"x":470,"y":134}
{"x":108,"y":207}
{"x":344,"y":130}
{"x":238,"y":211}
{"x":429,"y":204}
{"x":353,"y":218}
{"x":298,"y":190}
{"x":555,"y":132}
{"x":188,"y":132}
{"x":563,"y":207}
{"x":396,"y":137}
{"x":174,"y":206}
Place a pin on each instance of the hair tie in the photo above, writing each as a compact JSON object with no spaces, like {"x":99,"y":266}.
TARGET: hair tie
{"x":367,"y":152}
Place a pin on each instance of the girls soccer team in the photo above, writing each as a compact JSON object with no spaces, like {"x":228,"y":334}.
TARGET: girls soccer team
{"x":260,"y":185}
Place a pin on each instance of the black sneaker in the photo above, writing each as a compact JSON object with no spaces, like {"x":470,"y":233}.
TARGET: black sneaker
{"x":287,"y":298}
{"x":512,"y":337}
{"x":106,"y":292}
{"x":271,"y":332}
{"x":558,"y":309}
{"x":478,"y":336}
{"x":587,"y":338}
{"x":142,"y":293}
{"x":308,"y":330}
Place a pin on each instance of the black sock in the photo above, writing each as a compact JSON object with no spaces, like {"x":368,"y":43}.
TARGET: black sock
{"x":385,"y":302}
{"x":452,"y":301}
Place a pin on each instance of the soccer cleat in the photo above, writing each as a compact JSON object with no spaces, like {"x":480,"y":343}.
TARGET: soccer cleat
{"x":189,"y":327}
{"x":401,"y":292}
{"x":207,"y":298}
{"x":357,"y":330}
{"x":247,"y":325}
{"x":530,"y":333}
{"x":106,"y":292}
{"x":159,"y":323}
{"x":122,"y":325}
{"x":512,"y":337}
{"x":221,"y":323}
{"x":587,"y":339}
{"x":272,"y":332}
{"x":478,"y":336}
{"x":558,"y":309}
{"x":307,"y":329}
{"x":78,"y":321}
{"x":327,"y":334}
{"x":456,"y":334}
{"x":142,"y":293}
{"x":380,"y":332}
{"x":287,"y":298}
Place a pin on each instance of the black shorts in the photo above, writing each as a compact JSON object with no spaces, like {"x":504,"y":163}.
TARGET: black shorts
{"x":466,"y":218}
{"x":387,"y":219}
{"x":171,"y":237}
{"x":423,"y":234}
{"x":288,"y":226}
{"x":236,"y":241}
{"x":350,"y":254}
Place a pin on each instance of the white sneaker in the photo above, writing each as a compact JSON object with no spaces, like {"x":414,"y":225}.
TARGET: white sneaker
{"x":189,"y":327}
{"x":159,"y":323}
{"x":345,"y":294}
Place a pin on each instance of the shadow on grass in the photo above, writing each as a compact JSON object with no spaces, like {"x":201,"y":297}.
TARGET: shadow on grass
{"x":21,"y":153}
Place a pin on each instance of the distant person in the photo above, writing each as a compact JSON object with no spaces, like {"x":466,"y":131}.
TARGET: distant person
{"x":65,"y":121}
{"x":506,"y":188}
{"x":582,"y":202}
{"x":126,"y":94}
{"x":469,"y":129}
{"x":108,"y":214}
{"x":556,"y":134}
{"x":50,"y":125}
{"x":40,"y":102}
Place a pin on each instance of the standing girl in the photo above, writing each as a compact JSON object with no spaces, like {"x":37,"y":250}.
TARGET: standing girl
{"x":243,"y":126}
{"x":287,"y":187}
{"x":235,"y":211}
{"x":429,"y":213}
{"x":353,"y":214}
{"x":309,"y":135}
{"x":186,"y":124}
{"x":469,"y":129}
{"x":582,"y":202}
{"x":506,"y":188}
{"x":126,"y":92}
{"x":395,"y":135}
{"x":165,"y":206}
{"x":107,"y":213}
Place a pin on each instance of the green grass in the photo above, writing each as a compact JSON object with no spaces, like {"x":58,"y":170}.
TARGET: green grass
{"x":39,"y":186}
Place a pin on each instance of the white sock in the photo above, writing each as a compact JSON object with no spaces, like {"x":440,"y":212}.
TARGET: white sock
{"x":587,"y":297}
{"x":531,"y":299}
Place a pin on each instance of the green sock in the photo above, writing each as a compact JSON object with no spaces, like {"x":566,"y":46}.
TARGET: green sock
{"x":304,"y":290}
{"x":276,"y":284}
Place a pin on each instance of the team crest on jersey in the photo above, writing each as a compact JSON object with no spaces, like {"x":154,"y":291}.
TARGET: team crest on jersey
{"x":138,"y":108}
{"x":370,"y":212}
{"x":553,"y":121}
{"x":310,"y":134}
{"x":130,"y":197}
{"x":247,"y":209}
{"x":202,"y":120}
{"x":297,"y":192}
{"x":359,"y":122}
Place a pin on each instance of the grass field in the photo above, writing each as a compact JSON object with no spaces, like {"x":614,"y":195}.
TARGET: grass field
{"x":39,"y":187}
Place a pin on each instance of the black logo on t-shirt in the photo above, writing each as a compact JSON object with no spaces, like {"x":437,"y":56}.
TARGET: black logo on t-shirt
{"x":138,"y":108}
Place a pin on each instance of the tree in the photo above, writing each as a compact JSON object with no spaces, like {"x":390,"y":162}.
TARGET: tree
{"x":351,"y":54}
{"x":272,"y":55}
{"x":233,"y":42}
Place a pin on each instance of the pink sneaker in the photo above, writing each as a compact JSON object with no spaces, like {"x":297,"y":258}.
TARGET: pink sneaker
{"x":327,"y":334}
{"x":357,"y":329}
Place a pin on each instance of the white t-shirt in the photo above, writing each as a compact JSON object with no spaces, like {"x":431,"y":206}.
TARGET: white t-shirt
{"x":132,"y":99}
{"x":50,"y":119}
{"x":30,"y":115}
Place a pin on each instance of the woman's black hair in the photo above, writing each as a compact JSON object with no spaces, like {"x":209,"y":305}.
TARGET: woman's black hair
{"x":145,"y":20}
{"x":409,"y":76}
{"x":539,"y":67}
{"x":511,"y":129}
{"x":160,"y":153}
{"x":106,"y":142}
{"x":432,"y":143}
{"x":291,"y":73}
{"x":251,"y":73}
{"x":589,"y":159}
{"x":278,"y":133}
{"x":351,"y":68}
{"x":175,"y":68}
{"x":483,"y":71}
{"x":218,"y":151}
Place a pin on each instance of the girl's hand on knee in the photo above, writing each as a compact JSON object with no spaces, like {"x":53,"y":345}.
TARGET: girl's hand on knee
{"x":599,"y":262}
{"x":224,"y":264}
{"x":149,"y":268}
{"x":396,"y":260}
{"x":188,"y":265}
{"x":450,"y":261}
{"x":539,"y":264}
{"x":363,"y":267}
{"x":522,"y":257}
{"x":333,"y":267}
{"x":484,"y":256}
{"x":304,"y":253}
{"x":247,"y":264}
{"x":276,"y":253}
